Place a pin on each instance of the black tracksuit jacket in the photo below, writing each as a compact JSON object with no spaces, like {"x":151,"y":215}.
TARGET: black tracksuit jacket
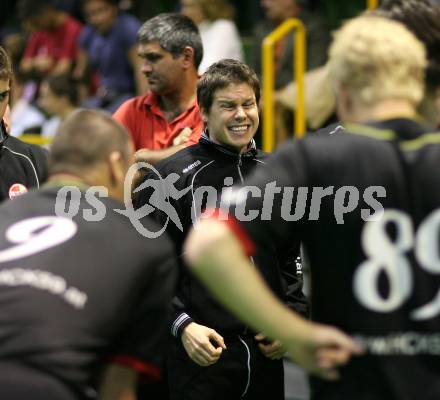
{"x":21,"y":163}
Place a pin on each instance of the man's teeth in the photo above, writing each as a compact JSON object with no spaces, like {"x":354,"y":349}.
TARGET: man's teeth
{"x":238,"y":128}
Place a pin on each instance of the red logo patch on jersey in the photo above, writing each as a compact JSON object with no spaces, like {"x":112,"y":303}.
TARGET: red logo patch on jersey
{"x":17,"y":189}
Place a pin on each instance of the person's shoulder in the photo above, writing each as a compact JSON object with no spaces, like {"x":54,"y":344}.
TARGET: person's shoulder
{"x":136,"y":103}
{"x":125,"y":19}
{"x":87,"y":32}
{"x":179,"y":160}
{"x":334,"y":129}
{"x":72,"y":23}
{"x":223,"y":23}
{"x":27,"y":149}
{"x":139,"y":238}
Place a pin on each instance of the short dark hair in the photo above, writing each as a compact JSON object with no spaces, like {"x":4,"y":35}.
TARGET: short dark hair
{"x":32,"y":8}
{"x":174,"y":32}
{"x":5,"y":65}
{"x":84,"y":139}
{"x":422,"y":18}
{"x":221,"y":74}
{"x":62,"y":85}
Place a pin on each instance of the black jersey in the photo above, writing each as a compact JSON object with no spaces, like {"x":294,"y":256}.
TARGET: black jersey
{"x":366,"y":206}
{"x":22,"y":166}
{"x":75,"y":295}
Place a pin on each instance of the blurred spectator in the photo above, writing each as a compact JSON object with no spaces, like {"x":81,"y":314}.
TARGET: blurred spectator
{"x":417,"y":15}
{"x":14,"y":41}
{"x":167,"y":118}
{"x":25,"y":116}
{"x":58,"y":98}
{"x":108,"y":46}
{"x":318,"y":37}
{"x":52,"y":47}
{"x":220,"y":36}
{"x":422,"y":17}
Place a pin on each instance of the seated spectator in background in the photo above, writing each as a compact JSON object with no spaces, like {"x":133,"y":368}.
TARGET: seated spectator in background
{"x":58,"y":98}
{"x":318,"y":38}
{"x":66,"y":333}
{"x":220,"y":36}
{"x":52,"y":47}
{"x":22,"y":165}
{"x":26,"y":117}
{"x":167,"y":118}
{"x":108,"y":47}
{"x":416,"y":15}
{"x":421,"y":17}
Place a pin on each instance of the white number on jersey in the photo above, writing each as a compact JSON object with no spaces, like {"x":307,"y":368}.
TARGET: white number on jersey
{"x":391,"y":258}
{"x":34,"y":235}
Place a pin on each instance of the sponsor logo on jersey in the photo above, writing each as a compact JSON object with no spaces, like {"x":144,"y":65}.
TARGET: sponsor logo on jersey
{"x":17,"y":189}
{"x":191,"y":166}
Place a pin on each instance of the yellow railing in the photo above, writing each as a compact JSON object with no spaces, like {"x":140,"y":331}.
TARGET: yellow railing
{"x":372,"y":4}
{"x":299,"y":64}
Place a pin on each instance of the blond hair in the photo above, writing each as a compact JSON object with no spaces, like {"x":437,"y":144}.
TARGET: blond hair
{"x":378,"y":59}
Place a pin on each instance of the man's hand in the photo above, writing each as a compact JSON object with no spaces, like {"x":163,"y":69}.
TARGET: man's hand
{"x":322,"y":350}
{"x":182,"y":137}
{"x":273,"y":350}
{"x":196,"y":340}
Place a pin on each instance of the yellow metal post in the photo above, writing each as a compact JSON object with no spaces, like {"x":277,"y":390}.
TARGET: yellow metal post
{"x":299,"y":64}
{"x":372,"y":4}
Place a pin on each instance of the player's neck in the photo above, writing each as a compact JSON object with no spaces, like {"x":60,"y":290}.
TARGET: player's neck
{"x":66,"y":179}
{"x":386,"y":109}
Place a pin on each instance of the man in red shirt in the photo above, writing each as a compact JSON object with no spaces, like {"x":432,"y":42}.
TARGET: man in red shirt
{"x":52,"y":47}
{"x":167,"y":118}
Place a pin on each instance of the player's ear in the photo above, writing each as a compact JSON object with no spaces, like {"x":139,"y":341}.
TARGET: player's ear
{"x":188,"y":57}
{"x":116,"y":167}
{"x":204,"y":114}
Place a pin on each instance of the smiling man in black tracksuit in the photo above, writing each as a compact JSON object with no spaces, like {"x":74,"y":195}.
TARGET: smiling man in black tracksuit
{"x":213,"y":355}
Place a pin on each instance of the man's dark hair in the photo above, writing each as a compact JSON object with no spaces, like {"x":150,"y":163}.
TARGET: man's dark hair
{"x":62,"y":85}
{"x":221,"y":74}
{"x":174,"y":32}
{"x":84,"y":139}
{"x":422,"y":17}
{"x":5,"y":65}
{"x":33,"y":8}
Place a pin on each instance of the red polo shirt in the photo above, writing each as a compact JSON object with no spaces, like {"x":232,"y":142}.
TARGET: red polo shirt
{"x":148,"y":126}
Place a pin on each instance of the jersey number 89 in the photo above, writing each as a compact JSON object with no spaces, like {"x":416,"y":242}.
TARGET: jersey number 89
{"x":390,"y":257}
